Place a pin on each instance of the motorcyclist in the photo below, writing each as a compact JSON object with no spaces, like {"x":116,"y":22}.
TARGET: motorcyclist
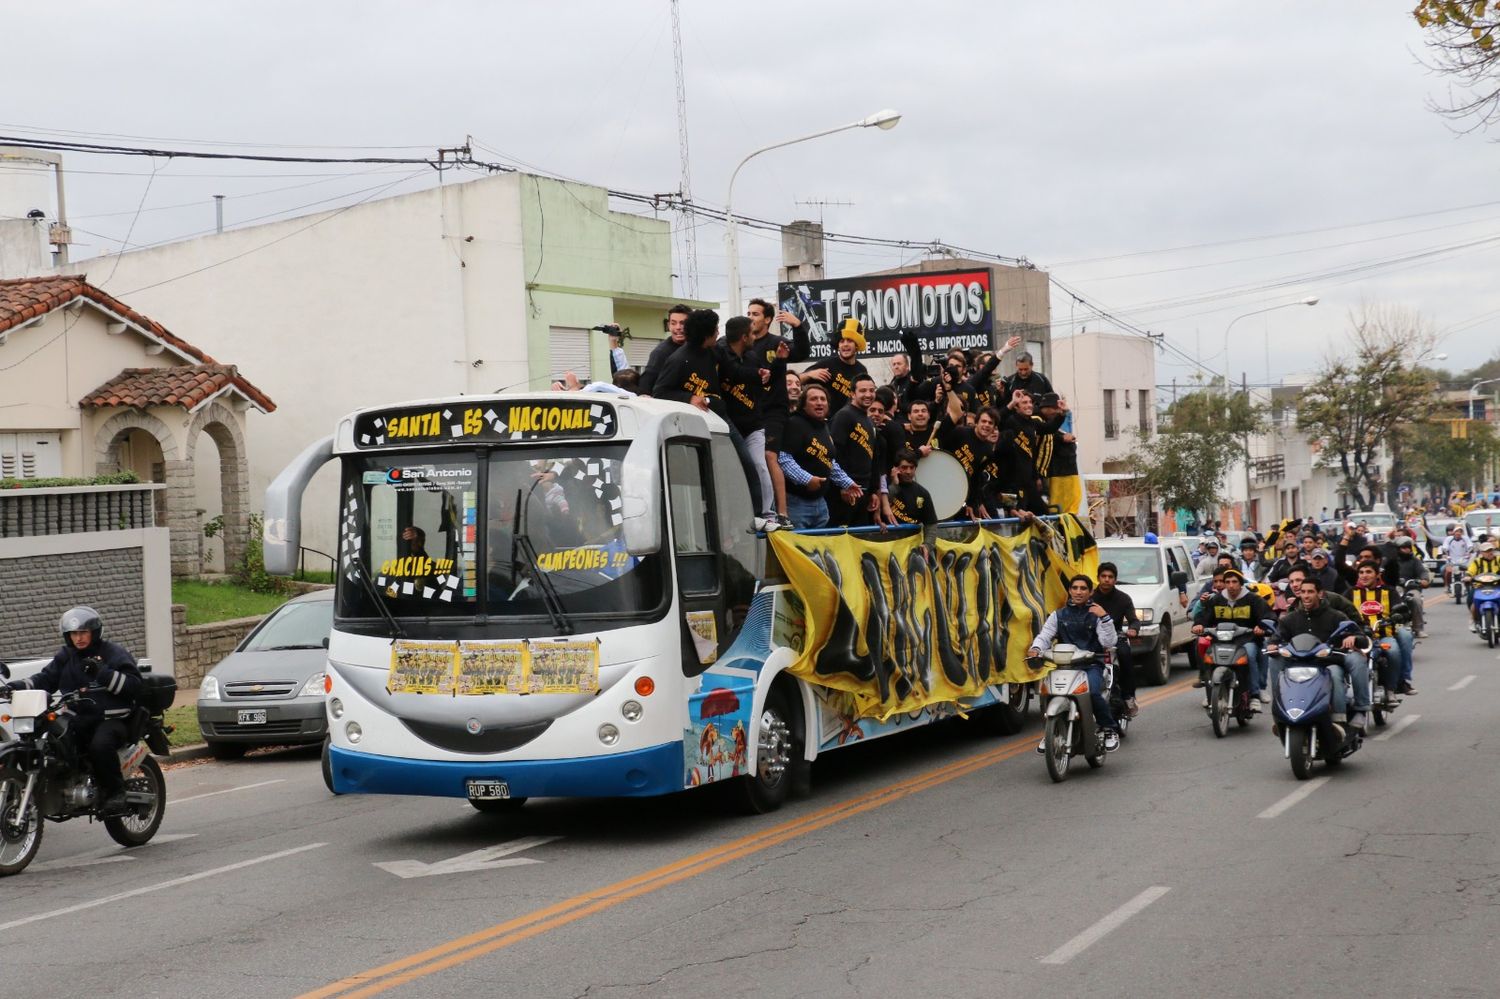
{"x":1315,"y":617}
{"x":1243,"y":607}
{"x":109,"y":673}
{"x":1375,"y":602}
{"x":1458,"y":552}
{"x":1408,"y":565}
{"x":1486,"y":561}
{"x":1127,"y":625}
{"x":1086,"y":625}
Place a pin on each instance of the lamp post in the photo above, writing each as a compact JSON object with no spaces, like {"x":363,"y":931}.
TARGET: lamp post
{"x":883,"y":120}
{"x":1473,"y":397}
{"x":1309,"y":300}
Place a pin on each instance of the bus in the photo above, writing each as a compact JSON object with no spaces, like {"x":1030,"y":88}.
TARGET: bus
{"x":559,"y":594}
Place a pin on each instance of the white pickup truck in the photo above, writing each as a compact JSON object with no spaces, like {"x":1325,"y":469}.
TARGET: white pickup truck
{"x":1154,"y":574}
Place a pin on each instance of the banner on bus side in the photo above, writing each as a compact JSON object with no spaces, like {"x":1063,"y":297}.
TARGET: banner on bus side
{"x":897,"y":633}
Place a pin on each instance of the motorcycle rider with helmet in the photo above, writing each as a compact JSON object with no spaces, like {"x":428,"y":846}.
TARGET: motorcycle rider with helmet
{"x":1405,"y":567}
{"x":110,"y":674}
{"x":1486,"y":561}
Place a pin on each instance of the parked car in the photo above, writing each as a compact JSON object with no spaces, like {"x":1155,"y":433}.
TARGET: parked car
{"x":269,"y":690}
{"x":1483,"y":521}
{"x":1152,"y":574}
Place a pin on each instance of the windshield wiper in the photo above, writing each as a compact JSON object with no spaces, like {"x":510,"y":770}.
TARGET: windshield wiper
{"x":369,"y":587}
{"x":285,"y":648}
{"x":520,"y":542}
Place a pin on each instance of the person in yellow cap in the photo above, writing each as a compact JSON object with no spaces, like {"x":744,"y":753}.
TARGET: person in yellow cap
{"x":837,"y":373}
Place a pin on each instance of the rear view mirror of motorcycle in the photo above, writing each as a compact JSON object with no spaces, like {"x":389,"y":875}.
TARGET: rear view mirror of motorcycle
{"x":4,"y":671}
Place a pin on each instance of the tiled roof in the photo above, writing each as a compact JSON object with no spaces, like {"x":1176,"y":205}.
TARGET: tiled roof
{"x":23,"y":299}
{"x":26,"y":298}
{"x":185,"y":386}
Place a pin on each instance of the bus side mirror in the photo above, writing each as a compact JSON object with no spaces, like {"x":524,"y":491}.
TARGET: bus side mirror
{"x":641,"y":496}
{"x":282,"y":533}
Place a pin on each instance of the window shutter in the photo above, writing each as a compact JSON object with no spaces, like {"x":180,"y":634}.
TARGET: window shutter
{"x":570,"y":352}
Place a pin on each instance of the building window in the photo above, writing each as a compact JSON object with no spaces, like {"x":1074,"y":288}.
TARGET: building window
{"x":1143,"y":403}
{"x":1111,"y":427}
{"x":570,"y":350}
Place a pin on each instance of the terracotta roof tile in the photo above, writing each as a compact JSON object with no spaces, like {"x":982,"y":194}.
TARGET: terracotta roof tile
{"x":26,"y":298}
{"x":185,"y":386}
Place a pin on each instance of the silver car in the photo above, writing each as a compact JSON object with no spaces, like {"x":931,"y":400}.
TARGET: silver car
{"x":269,"y":691}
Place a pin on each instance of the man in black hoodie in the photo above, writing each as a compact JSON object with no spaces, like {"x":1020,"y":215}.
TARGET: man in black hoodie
{"x":676,"y":328}
{"x":696,"y":373}
{"x":837,"y":373}
{"x":771,"y":351}
{"x":812,"y":472}
{"x":1025,"y":379}
{"x":113,"y":681}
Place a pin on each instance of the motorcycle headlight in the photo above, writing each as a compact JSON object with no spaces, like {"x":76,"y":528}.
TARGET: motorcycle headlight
{"x":209,"y":691}
{"x":314,"y":686}
{"x":23,"y":726}
{"x":1301,"y":674}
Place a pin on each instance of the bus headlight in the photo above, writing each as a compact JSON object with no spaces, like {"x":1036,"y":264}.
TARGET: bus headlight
{"x":631,"y":711}
{"x":353,"y":731}
{"x":336,"y":707}
{"x":608,"y":734}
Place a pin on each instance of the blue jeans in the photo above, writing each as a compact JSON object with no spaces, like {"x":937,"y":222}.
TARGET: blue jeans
{"x":1358,"y":667}
{"x":1407,"y":642}
{"x":1099,"y":697}
{"x":806,"y":513}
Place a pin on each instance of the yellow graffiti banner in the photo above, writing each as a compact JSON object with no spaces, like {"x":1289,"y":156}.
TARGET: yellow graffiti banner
{"x":898,"y":628}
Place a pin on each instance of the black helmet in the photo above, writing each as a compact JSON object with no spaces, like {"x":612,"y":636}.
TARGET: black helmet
{"x":82,"y":619}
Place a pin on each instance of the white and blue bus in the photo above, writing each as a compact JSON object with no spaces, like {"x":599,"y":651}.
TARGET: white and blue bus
{"x":557,"y":594}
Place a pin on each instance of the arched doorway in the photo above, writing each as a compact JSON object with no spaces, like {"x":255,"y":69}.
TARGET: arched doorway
{"x":138,"y":442}
{"x":224,"y":428}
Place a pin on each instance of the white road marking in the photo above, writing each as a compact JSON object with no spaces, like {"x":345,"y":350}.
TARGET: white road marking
{"x":95,"y":857}
{"x":486,"y":859}
{"x":1103,"y":927}
{"x":1460,"y":685}
{"x":160,"y":886}
{"x":210,"y":794}
{"x":1293,"y":798}
{"x":1396,"y":729}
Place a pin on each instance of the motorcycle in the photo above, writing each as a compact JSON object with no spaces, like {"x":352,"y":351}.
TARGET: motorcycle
{"x":1230,"y":655}
{"x":1385,"y":668}
{"x":1487,"y":605}
{"x":1458,"y":585}
{"x":43,"y":775}
{"x":1068,"y":728}
{"x":1303,"y":704}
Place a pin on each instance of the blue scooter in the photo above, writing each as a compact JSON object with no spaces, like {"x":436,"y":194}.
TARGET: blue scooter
{"x":1303,"y":704}
{"x":1487,"y":606}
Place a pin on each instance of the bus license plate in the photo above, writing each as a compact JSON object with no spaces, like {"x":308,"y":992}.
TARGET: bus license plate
{"x":252,"y":717}
{"x":488,"y":790}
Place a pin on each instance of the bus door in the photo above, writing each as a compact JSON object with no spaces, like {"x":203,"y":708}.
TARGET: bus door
{"x":700,"y":575}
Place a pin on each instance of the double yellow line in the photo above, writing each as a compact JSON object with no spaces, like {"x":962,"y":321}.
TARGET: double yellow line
{"x":474,"y":945}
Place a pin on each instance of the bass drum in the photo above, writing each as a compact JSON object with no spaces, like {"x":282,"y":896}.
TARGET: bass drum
{"x":943,"y":476}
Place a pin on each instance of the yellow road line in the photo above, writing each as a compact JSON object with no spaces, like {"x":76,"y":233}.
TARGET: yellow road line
{"x":467,"y":948}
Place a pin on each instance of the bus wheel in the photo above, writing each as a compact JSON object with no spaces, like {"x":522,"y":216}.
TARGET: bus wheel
{"x":766,"y":788}
{"x":497,"y":806}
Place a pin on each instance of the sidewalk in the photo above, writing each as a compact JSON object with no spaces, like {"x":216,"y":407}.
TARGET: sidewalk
{"x":185,"y":697}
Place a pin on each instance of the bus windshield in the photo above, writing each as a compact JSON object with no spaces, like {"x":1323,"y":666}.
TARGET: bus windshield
{"x":498,"y":533}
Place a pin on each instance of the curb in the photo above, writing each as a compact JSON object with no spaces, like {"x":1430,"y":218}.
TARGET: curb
{"x":182,"y":754}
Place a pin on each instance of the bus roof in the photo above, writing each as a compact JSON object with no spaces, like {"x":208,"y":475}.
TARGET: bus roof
{"x":505,"y":418}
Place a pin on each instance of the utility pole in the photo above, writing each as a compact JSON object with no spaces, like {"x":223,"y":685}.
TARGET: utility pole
{"x":689,"y":220}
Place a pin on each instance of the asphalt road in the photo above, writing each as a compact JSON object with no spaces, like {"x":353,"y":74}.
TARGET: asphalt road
{"x":940,"y":863}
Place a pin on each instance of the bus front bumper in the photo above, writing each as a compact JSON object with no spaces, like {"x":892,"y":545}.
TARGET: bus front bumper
{"x":639,"y":773}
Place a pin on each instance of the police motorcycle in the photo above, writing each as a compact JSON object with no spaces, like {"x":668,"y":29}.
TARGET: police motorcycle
{"x":1231,"y":656}
{"x":1303,"y":704}
{"x":1487,"y":605}
{"x":1068,"y":728}
{"x":43,"y":775}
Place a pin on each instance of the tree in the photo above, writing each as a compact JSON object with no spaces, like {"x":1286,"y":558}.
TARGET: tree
{"x":1440,"y":461}
{"x":1200,"y":439}
{"x":1361,"y":397}
{"x":1461,"y":45}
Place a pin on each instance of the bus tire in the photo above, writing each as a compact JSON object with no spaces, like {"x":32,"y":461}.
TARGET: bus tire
{"x":998,"y":720}
{"x":778,"y":748}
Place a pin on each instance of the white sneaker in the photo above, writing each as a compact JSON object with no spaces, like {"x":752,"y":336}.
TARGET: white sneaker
{"x":765,"y":525}
{"x":1205,"y":698}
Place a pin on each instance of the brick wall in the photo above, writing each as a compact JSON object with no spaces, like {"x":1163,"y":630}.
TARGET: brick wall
{"x":36,"y":590}
{"x":199,"y":647}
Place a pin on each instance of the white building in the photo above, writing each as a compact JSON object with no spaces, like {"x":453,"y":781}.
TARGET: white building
{"x":472,"y":287}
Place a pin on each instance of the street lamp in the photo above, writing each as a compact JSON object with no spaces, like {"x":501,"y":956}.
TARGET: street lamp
{"x":1309,"y":300}
{"x":883,"y":120}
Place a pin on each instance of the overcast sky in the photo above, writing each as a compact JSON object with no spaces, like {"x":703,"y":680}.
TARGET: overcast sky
{"x":1106,"y":142}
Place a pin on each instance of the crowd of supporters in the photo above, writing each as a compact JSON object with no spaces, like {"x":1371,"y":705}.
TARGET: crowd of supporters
{"x":822,"y":444}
